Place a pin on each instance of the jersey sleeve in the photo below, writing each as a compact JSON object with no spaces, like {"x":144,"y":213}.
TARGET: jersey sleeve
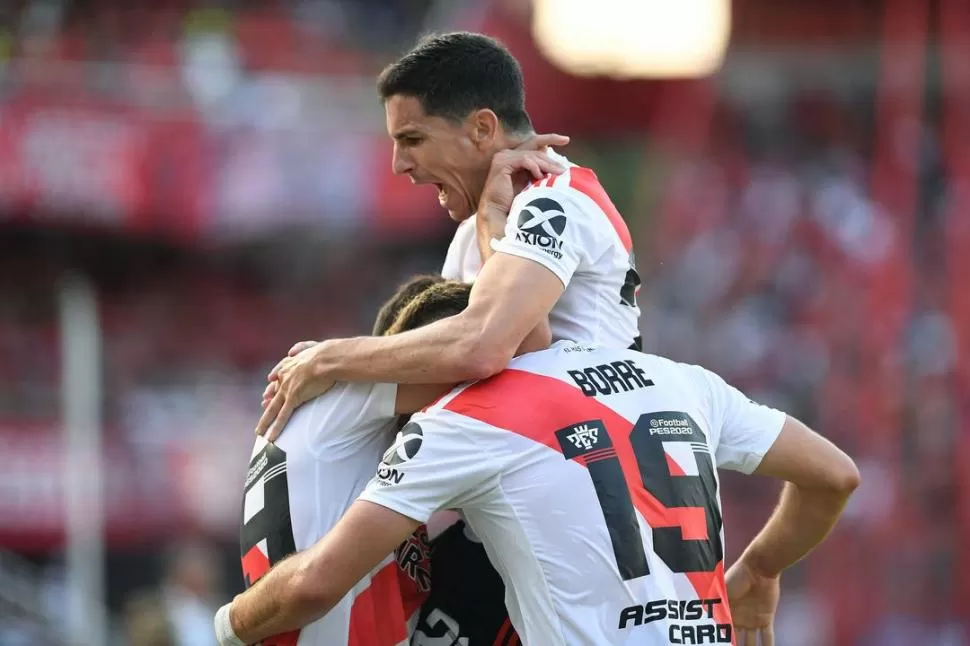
{"x":549,"y":226}
{"x":433,"y":464}
{"x":350,"y":407}
{"x":747,"y":429}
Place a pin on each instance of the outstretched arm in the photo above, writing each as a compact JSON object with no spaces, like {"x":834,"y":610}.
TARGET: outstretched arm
{"x":476,"y":344}
{"x":447,"y":472}
{"x":307,"y":585}
{"x":511,"y":296}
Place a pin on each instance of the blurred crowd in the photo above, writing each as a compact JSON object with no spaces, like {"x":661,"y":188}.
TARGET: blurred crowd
{"x":761,"y":269}
{"x":763,"y":255}
{"x":238,"y":63}
{"x":107,"y":30}
{"x":755,"y":264}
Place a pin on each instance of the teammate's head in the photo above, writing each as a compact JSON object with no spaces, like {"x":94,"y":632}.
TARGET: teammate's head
{"x":439,"y":301}
{"x":405,"y":293}
{"x":452,"y":102}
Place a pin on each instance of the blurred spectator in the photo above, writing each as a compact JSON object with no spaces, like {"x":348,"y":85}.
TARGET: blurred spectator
{"x":191,"y":594}
{"x":211,"y":65}
{"x":146,"y":622}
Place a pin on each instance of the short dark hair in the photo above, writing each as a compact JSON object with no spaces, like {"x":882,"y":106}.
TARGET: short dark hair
{"x":405,"y":293}
{"x":439,"y":301}
{"x":457,"y":73}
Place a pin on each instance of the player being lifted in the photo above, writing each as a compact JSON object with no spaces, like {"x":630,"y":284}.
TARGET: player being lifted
{"x":455,"y":106}
{"x":590,"y":475}
{"x":300,"y":486}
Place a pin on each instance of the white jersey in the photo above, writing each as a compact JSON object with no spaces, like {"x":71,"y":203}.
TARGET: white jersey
{"x":589,"y":474}
{"x":568,"y":224}
{"x":463,"y":260}
{"x":298,"y":488}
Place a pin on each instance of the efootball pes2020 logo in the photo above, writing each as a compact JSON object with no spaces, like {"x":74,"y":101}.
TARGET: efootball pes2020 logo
{"x":541,"y":224}
{"x":405,"y":447}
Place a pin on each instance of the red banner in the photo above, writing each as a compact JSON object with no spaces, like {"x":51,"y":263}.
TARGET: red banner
{"x":32,"y":492}
{"x":156,"y":487}
{"x":129,"y":170}
{"x":59,"y":162}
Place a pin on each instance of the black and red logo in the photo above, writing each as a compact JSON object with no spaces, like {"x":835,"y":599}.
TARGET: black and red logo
{"x":541,"y":224}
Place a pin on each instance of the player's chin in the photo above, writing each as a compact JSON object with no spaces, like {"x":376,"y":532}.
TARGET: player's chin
{"x":460,"y":215}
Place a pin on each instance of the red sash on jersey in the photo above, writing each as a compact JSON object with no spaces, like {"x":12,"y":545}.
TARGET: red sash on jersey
{"x":377,"y":617}
{"x":519,"y":413}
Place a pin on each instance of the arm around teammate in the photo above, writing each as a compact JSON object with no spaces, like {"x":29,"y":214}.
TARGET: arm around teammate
{"x":511,"y":299}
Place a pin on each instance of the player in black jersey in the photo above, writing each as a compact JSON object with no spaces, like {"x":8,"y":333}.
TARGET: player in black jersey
{"x":466,"y":605}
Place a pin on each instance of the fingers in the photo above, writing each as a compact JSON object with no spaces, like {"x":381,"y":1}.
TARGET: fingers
{"x":286,"y":410}
{"x":547,"y":165}
{"x":748,"y":638}
{"x":300,"y":347}
{"x":274,"y":374}
{"x":768,"y":636}
{"x":269,"y":393}
{"x":270,"y":413}
{"x":533,"y":167}
{"x":513,"y":161}
{"x":538,"y":142}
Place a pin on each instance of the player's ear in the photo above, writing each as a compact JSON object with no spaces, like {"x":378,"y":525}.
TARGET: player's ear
{"x":484,"y":126}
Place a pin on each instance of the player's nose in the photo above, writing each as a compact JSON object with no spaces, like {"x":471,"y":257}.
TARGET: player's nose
{"x":401,"y":162}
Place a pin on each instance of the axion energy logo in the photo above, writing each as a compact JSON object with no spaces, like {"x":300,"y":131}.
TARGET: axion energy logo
{"x":541,"y":224}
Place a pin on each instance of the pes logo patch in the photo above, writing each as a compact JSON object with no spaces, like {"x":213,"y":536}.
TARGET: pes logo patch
{"x":584,"y":436}
{"x":587,"y":439}
{"x":541,"y":224}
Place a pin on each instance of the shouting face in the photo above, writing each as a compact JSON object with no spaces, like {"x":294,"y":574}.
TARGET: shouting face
{"x":452,"y":156}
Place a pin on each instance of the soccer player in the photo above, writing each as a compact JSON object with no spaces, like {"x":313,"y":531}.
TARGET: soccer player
{"x":590,"y":475}
{"x":455,"y":106}
{"x":298,"y":488}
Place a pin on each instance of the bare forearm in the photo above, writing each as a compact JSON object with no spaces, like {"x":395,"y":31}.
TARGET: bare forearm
{"x":438,"y":353}
{"x":802,"y":520}
{"x":538,"y":339}
{"x":276,"y":604}
{"x":510,"y":297}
